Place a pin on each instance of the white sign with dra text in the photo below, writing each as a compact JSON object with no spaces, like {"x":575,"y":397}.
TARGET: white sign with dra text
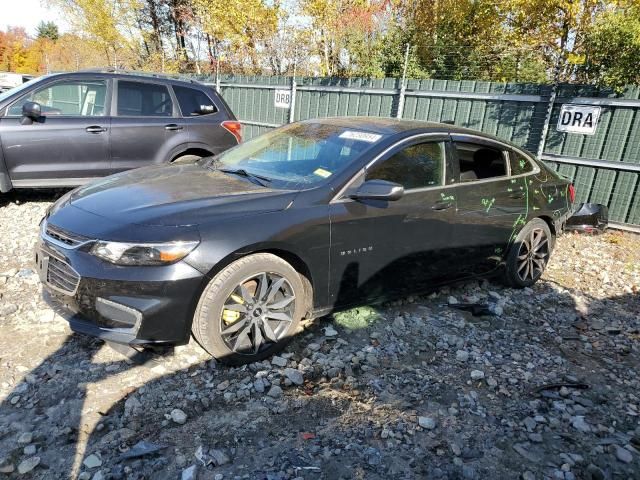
{"x":282,"y":99}
{"x":578,"y":119}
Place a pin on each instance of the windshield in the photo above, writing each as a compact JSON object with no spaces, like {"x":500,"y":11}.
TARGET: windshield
{"x":19,"y":88}
{"x":297,"y":156}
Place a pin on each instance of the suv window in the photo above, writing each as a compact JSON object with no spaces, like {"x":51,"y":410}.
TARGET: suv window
{"x":138,"y":99}
{"x":416,"y":166}
{"x":193,"y":102}
{"x":519,"y":163}
{"x":478,"y":162}
{"x":78,"y":98}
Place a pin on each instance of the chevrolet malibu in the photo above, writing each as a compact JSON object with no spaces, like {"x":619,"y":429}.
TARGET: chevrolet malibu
{"x":315,"y":216}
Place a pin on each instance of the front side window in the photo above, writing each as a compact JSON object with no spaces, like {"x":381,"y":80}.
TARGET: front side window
{"x":193,"y":102}
{"x":417,"y":166}
{"x":73,"y":98}
{"x":137,"y":99}
{"x":479,"y":162}
{"x":519,"y":163}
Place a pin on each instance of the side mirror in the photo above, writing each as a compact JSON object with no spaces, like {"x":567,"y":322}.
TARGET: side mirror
{"x":378,"y":190}
{"x":32,"y":110}
{"x":205,"y":109}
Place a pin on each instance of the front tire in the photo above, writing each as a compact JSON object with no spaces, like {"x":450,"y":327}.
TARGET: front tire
{"x":529,"y":254}
{"x":250,"y":310}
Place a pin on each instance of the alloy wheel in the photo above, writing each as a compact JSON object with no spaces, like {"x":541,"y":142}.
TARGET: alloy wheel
{"x":257,"y":313}
{"x":533,"y":255}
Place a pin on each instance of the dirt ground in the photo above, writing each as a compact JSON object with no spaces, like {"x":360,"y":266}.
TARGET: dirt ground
{"x":546,"y":386}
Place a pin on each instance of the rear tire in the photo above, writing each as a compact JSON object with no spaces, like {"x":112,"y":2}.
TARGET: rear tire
{"x":186,"y":159}
{"x":250,"y":310}
{"x":529,"y":254}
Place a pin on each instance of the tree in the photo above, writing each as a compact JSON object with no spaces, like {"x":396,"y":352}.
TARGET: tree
{"x":612,"y":49}
{"x":47,"y":30}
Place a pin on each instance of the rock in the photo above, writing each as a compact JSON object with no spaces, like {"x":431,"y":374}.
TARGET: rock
{"x":189,"y":473}
{"x":178,"y":416}
{"x":595,"y":473}
{"x":29,"y":450}
{"x":275,"y":391}
{"x":279,"y":361}
{"x":294,"y":375}
{"x":578,"y":422}
{"x":8,"y":309}
{"x":528,"y":476}
{"x":25,"y":438}
{"x":398,"y":323}
{"x":477,"y":374}
{"x":462,"y":355}
{"x":427,"y":423}
{"x":623,"y":455}
{"x":98,"y":475}
{"x":92,"y":461}
{"x":27,"y":465}
{"x":223,"y":385}
{"x":452,"y":300}
{"x":259,"y":385}
{"x":219,"y":457}
{"x":329,"y":331}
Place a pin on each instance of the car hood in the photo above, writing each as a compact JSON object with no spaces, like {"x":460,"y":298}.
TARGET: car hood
{"x":176,"y":195}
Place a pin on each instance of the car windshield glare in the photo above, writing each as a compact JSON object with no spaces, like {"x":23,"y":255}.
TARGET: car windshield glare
{"x":300,"y":155}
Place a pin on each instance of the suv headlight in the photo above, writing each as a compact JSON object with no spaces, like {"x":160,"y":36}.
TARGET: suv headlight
{"x":142,"y":253}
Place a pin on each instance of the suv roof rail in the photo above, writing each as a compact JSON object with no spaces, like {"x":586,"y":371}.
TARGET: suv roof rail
{"x":175,"y":76}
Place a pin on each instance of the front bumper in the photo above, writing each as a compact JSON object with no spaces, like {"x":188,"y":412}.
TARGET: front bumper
{"x":123,"y":304}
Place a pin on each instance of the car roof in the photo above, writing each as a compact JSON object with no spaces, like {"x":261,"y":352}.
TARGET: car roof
{"x":159,"y":77}
{"x":393,"y":126}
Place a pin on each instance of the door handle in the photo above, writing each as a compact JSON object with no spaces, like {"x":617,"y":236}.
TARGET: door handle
{"x":173,"y":126}
{"x":95,"y":129}
{"x":517,"y":195}
{"x":441,"y":205}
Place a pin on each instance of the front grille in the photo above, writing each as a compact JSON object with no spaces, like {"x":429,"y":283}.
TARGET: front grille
{"x":64,"y":236}
{"x":59,"y":275}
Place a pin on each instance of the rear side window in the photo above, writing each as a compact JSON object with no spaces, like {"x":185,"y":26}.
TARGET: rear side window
{"x":193,"y":102}
{"x":144,"y":100}
{"x":519,"y":163}
{"x":478,"y":162}
{"x":416,"y":166}
{"x":73,"y":98}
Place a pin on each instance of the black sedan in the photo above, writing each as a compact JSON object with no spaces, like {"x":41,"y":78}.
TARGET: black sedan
{"x":308,"y":218}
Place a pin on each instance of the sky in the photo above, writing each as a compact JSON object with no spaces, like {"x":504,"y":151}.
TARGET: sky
{"x":28,"y":14}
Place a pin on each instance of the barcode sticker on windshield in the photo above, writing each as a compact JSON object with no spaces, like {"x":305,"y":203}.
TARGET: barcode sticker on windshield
{"x":321,"y":172}
{"x":362,"y":136}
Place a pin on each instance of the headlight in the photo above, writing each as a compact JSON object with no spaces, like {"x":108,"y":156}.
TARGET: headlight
{"x":142,"y":253}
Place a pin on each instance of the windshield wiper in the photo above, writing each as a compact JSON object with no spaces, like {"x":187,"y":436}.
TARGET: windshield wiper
{"x":259,"y":179}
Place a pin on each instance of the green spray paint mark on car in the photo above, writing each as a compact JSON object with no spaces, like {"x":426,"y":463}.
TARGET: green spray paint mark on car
{"x":488,"y":203}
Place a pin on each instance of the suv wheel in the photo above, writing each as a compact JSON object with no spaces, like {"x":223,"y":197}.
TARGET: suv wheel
{"x":250,"y":310}
{"x":529,"y":254}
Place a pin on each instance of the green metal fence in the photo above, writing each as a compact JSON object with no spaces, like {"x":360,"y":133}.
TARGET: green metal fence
{"x":605,"y":167}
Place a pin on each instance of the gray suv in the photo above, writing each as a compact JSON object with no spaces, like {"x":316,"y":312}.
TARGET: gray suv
{"x":65,"y":129}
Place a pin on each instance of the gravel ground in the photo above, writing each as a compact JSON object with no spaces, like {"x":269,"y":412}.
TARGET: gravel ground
{"x":545,"y":387}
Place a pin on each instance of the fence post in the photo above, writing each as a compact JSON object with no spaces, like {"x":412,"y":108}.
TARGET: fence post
{"x":403,"y":85}
{"x":292,"y":104}
{"x":547,"y":117}
{"x":217,"y":76}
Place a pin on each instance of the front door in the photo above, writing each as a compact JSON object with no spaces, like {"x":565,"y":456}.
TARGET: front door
{"x":384,"y":249}
{"x":68,"y":144}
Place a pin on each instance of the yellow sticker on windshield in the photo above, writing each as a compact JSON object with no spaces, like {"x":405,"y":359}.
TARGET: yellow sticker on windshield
{"x":321,"y":172}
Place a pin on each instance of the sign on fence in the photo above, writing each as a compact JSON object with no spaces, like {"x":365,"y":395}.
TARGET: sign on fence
{"x":578,"y":119}
{"x":282,"y":99}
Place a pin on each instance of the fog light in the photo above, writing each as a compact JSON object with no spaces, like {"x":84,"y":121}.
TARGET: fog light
{"x":123,"y":316}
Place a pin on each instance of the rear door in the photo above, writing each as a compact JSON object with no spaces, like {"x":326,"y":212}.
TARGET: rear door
{"x":146,"y":124}
{"x":385,"y":249}
{"x":491,"y":203}
{"x":69,"y":144}
{"x":204,"y":117}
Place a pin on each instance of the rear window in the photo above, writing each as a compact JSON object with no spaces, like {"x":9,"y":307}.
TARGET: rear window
{"x":193,"y":102}
{"x":137,"y":99}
